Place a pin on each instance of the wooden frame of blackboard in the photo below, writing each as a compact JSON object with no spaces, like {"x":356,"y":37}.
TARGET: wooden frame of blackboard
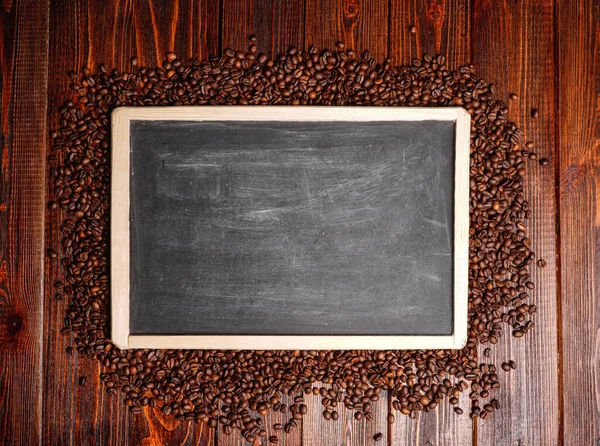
{"x":120,"y":243}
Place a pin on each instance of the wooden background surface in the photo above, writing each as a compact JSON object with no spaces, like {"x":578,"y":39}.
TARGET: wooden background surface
{"x":546,"y":51}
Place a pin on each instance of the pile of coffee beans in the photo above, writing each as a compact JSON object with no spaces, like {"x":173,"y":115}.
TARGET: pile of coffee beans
{"x":237,"y":388}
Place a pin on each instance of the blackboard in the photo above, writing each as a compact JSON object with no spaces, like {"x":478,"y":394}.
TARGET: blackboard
{"x":296,"y":229}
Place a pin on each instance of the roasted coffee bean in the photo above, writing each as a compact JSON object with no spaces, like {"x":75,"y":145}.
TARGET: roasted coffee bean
{"x":231,"y":387}
{"x":378,"y":436}
{"x":535,"y":113}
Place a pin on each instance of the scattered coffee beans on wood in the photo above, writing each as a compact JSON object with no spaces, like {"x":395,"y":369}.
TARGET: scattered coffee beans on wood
{"x":237,"y":388}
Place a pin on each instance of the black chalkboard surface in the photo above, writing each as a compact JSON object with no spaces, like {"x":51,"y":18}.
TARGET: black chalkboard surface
{"x":303,"y":229}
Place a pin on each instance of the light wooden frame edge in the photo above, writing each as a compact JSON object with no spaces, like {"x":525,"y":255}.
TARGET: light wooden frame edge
{"x":119,"y":226}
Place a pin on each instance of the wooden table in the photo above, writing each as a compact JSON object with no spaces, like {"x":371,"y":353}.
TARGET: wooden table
{"x":545,"y":51}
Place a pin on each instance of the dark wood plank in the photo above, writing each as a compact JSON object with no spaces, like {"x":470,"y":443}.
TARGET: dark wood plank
{"x":277,"y":25}
{"x":293,"y":438}
{"x":439,"y":427}
{"x":190,"y":28}
{"x":346,"y":430}
{"x":89,"y":33}
{"x":360,"y":24}
{"x":23,"y":86}
{"x":430,"y":27}
{"x":440,"y":27}
{"x":579,"y":203}
{"x":521,"y":62}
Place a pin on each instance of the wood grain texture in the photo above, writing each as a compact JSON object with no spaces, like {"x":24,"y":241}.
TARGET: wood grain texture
{"x":277,"y":25}
{"x":24,"y":67}
{"x":346,"y":430}
{"x":438,"y":427}
{"x":522,"y":63}
{"x":421,"y":27}
{"x":360,"y":24}
{"x":293,"y":438}
{"x":24,"y":55}
{"x":579,"y":203}
{"x":190,"y":28}
{"x":441,"y":27}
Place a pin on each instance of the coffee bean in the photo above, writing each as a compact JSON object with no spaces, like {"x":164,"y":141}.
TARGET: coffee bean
{"x":542,"y":263}
{"x":458,"y":411}
{"x":513,"y":96}
{"x":535,"y":113}
{"x":544,"y":161}
{"x":82,"y":380}
{"x":230,"y":388}
{"x":506,"y":367}
{"x":391,"y":418}
{"x":52,"y":253}
{"x":518,"y":333}
{"x":413,"y":29}
{"x":273,"y":439}
{"x":378,"y":436}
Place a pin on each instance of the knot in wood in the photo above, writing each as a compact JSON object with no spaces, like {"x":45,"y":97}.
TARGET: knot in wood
{"x":10,"y":325}
{"x":435,"y":12}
